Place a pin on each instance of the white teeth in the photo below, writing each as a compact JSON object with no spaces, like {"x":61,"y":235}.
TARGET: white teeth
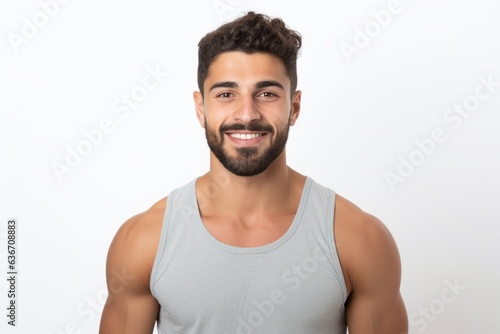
{"x":245,"y":136}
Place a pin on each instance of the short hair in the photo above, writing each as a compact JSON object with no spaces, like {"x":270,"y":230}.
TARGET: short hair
{"x":251,"y":33}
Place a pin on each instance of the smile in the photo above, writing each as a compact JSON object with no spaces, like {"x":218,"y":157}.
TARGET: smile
{"x":245,"y":136}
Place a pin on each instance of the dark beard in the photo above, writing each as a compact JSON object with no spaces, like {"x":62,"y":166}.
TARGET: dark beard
{"x":248,"y":162}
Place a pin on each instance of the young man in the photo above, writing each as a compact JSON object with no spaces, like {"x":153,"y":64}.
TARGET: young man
{"x":252,"y":246}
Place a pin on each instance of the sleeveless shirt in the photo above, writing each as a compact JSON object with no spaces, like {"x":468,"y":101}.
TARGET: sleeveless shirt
{"x":292,"y":285}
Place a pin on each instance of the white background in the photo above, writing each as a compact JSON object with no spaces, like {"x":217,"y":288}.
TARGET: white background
{"x":359,"y":115}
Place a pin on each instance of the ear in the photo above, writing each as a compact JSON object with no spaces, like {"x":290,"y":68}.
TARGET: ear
{"x":295,"y":107}
{"x":198,"y":104}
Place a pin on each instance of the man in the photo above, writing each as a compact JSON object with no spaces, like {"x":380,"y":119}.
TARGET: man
{"x":252,"y":246}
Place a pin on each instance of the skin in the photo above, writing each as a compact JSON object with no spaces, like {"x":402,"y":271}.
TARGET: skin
{"x":256,"y":210}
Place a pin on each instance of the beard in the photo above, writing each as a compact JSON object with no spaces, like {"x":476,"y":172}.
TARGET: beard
{"x":248,"y":161}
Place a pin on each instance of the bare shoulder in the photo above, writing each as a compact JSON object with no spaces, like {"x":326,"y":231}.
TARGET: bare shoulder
{"x":365,"y":246}
{"x":144,"y":225}
{"x":133,"y":249}
{"x":358,"y":225}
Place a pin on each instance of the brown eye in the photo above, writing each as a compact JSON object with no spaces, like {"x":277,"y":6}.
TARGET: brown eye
{"x":224,"y":95}
{"x":267,"y":94}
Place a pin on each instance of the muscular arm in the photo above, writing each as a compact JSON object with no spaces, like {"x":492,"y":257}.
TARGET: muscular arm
{"x":130,"y":308}
{"x":372,"y":268}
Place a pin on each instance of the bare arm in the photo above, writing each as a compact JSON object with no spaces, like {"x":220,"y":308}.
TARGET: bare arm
{"x":372,"y":267}
{"x":131,"y":308}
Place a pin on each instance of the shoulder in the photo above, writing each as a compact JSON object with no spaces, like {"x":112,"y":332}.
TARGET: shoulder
{"x":366,"y":248}
{"x":130,"y":306}
{"x":133,"y":249}
{"x":140,"y":227}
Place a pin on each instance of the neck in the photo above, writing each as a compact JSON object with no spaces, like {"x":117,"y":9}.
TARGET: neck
{"x":274,"y":190}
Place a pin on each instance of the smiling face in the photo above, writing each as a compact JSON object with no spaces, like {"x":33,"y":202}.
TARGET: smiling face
{"x":246,"y":110}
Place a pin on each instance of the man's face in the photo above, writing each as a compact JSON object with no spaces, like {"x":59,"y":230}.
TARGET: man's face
{"x":247,"y":110}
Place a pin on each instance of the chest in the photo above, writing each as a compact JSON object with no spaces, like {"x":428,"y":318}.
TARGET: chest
{"x":254,"y":233}
{"x":263,"y":291}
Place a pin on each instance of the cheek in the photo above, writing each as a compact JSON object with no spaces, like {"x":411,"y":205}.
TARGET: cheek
{"x":285,"y":121}
{"x":212,"y":125}
{"x":215,"y":119}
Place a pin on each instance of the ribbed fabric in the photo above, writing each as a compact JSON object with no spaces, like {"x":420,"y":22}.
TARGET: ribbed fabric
{"x":292,"y":285}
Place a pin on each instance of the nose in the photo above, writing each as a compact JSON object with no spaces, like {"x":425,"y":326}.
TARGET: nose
{"x":246,"y":110}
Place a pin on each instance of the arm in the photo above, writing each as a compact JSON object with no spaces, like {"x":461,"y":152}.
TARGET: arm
{"x":372,"y":268}
{"x":130,"y":307}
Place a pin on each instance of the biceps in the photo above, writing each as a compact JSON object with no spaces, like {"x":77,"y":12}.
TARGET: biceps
{"x":377,"y":314}
{"x":129,"y":315}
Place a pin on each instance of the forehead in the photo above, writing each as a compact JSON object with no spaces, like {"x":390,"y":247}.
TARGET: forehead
{"x":244,"y":67}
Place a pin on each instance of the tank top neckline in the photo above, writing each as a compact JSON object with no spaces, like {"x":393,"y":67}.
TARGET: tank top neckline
{"x":257,"y":249}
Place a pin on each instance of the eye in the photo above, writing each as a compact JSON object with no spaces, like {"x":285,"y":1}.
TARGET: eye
{"x":224,"y":95}
{"x":267,"y":94}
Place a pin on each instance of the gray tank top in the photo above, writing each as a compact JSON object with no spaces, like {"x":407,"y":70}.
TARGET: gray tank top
{"x":292,"y":285}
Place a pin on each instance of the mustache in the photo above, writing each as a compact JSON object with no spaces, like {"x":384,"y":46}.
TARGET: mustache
{"x":246,"y":127}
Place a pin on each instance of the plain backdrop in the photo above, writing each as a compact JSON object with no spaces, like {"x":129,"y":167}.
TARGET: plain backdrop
{"x":380,"y":124}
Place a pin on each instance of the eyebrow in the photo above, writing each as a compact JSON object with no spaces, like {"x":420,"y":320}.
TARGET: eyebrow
{"x":224,"y":84}
{"x":259,"y":85}
{"x":269,"y":83}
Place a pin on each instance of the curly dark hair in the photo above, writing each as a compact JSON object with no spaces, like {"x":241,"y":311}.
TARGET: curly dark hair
{"x":251,"y":33}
